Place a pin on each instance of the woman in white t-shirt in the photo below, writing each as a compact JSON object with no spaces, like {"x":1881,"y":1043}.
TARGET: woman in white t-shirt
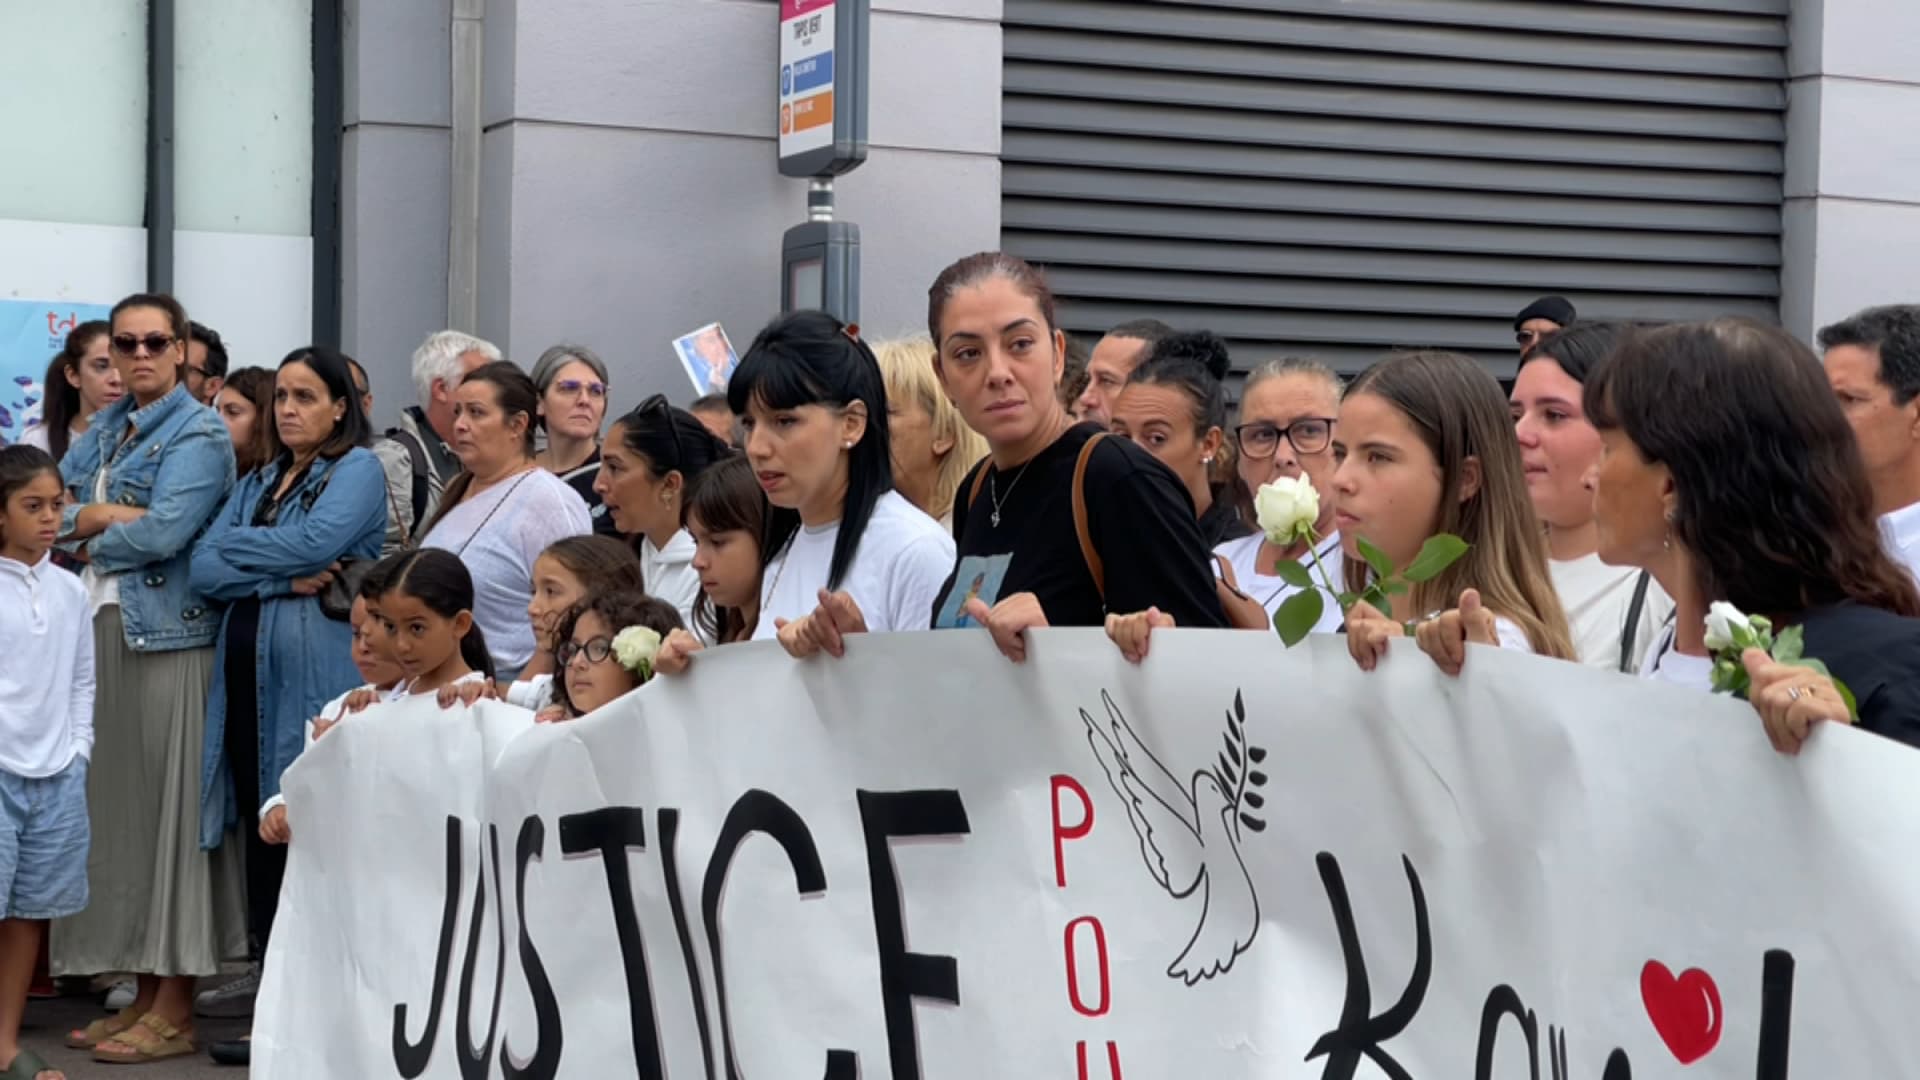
{"x":1425,"y":446}
{"x":1287,"y":413}
{"x":503,"y":510}
{"x":1613,"y":611}
{"x":813,"y":406}
{"x":650,"y":456}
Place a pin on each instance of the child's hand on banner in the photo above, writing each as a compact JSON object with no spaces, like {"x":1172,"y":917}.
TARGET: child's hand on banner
{"x":274,"y":828}
{"x":1130,"y":632}
{"x":676,"y":653}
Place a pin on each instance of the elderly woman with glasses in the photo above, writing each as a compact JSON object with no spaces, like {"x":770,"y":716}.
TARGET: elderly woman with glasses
{"x":1286,"y":429}
{"x":651,"y":455}
{"x":573,"y":385}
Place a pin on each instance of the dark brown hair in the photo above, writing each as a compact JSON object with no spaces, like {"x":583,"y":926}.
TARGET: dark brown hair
{"x":985,"y":266}
{"x":618,"y":610}
{"x":176,"y":315}
{"x":602,"y":563}
{"x":256,"y":385}
{"x":335,"y":371}
{"x":727,"y":498}
{"x":1772,"y":498}
{"x":62,"y":404}
{"x":513,"y":393}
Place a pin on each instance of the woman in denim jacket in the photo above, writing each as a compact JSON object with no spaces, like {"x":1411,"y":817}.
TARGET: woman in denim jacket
{"x":321,"y":498}
{"x":146,"y":478}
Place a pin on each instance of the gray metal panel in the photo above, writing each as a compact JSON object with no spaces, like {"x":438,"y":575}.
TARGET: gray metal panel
{"x":1340,"y":177}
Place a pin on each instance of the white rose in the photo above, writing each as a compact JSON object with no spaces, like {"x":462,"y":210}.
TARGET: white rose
{"x":1287,"y":509}
{"x":1722,"y":619}
{"x":635,"y":647}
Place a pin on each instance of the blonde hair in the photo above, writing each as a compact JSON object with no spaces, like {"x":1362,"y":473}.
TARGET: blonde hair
{"x":1460,"y":413}
{"x":907,"y":365}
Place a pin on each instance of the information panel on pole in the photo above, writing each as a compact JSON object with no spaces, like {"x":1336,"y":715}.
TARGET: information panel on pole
{"x":822,"y":86}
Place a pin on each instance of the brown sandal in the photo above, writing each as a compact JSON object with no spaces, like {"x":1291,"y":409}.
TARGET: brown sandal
{"x":100,"y":1031}
{"x":151,"y":1038}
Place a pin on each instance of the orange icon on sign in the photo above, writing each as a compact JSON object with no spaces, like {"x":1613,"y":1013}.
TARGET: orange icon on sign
{"x":786,"y":119}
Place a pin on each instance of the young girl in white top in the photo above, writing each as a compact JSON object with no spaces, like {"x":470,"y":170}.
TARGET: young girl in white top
{"x":814,"y":408}
{"x":1425,"y":446}
{"x":46,"y":733}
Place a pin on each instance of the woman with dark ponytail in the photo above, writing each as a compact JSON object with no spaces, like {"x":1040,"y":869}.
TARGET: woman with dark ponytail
{"x":80,"y":381}
{"x":1175,"y":408}
{"x":649,"y":458}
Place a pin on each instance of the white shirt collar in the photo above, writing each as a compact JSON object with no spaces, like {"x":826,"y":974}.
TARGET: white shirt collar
{"x":1901,"y":528}
{"x":23,"y":570}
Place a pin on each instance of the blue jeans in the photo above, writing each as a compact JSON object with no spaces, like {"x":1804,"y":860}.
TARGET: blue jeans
{"x":43,"y":843}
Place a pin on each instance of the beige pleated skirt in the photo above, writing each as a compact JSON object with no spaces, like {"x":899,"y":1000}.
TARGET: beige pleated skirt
{"x":159,"y":904}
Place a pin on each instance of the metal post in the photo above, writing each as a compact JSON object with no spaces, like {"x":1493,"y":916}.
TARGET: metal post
{"x":160,"y":145}
{"x":463,"y":226}
{"x":329,"y":76}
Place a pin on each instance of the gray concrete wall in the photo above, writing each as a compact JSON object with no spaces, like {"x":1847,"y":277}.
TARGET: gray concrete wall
{"x":395,"y":178}
{"x":1852,"y":221}
{"x":629,"y":184}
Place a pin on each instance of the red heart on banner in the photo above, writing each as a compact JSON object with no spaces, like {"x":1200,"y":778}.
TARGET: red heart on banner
{"x":1685,"y":1010}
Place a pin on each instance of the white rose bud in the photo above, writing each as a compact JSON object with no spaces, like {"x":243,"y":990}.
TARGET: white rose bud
{"x":1287,"y":509}
{"x":1722,"y":618}
{"x":635,"y":647}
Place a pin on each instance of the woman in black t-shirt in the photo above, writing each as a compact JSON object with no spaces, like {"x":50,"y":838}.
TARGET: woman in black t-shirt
{"x":1174,"y":407}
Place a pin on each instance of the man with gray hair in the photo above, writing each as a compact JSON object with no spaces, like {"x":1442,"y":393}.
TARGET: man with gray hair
{"x":439,"y":364}
{"x":1873,"y":363}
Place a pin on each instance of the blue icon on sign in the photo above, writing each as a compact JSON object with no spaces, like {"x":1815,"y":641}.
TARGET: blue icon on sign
{"x":786,"y":80}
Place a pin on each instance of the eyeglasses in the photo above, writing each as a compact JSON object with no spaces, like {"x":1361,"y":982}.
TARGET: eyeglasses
{"x":1260,"y":441}
{"x":197,"y":372}
{"x":129,"y":345}
{"x":596,"y":651}
{"x":571,"y":387}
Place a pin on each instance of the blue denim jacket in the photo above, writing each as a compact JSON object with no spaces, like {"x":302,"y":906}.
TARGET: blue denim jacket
{"x":301,"y":658}
{"x":179,"y":466}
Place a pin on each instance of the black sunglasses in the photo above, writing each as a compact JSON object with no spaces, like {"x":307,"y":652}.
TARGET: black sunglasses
{"x":659,"y":401}
{"x":129,"y":344}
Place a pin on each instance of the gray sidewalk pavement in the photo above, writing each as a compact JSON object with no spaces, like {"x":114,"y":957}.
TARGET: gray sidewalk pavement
{"x":47,"y":1024}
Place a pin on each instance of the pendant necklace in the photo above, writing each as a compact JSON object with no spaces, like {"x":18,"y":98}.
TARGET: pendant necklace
{"x":993,"y":490}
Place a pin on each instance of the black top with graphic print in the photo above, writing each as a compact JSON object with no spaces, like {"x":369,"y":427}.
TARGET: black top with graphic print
{"x":1140,"y":518}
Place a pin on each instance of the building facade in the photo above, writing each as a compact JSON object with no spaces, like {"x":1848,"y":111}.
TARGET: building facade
{"x":1303,"y":176}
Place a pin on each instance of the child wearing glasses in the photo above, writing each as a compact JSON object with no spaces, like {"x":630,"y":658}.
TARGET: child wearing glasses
{"x":607,"y":648}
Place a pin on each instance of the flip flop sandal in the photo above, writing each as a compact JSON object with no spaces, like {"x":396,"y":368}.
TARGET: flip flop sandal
{"x":27,"y":1065}
{"x":152,"y":1038}
{"x":99,"y":1031}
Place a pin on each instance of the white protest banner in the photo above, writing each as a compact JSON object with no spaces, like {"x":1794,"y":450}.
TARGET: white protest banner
{"x":1232,"y":861}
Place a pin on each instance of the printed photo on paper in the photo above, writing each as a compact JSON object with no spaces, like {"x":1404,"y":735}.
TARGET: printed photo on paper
{"x":708,"y":358}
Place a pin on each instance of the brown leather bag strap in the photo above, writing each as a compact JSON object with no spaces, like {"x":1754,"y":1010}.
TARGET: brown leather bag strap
{"x":1094,"y":566}
{"x":979,"y":481}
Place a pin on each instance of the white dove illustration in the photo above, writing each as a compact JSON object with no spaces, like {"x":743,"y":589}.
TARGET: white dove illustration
{"x":1190,"y":838}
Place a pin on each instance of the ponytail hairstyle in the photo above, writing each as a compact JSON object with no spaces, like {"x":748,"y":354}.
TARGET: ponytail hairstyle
{"x":618,"y":610}
{"x":440,"y":581}
{"x":670,"y":440}
{"x":514,"y":394}
{"x":727,"y":498}
{"x":812,"y":358}
{"x":1460,"y":413}
{"x":1196,"y":364}
{"x":61,"y":404}
{"x":256,"y":385}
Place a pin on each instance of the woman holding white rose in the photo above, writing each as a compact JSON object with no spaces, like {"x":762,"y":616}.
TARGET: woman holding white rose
{"x":1729,"y":472}
{"x":1425,"y":447}
{"x":1285,"y":443}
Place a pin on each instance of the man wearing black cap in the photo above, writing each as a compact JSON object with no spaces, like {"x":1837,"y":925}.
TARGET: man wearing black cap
{"x":1540,"y":318}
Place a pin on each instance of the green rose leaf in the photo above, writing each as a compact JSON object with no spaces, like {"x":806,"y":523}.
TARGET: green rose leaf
{"x":1293,"y":574}
{"x":1790,"y":645}
{"x":1846,"y":695}
{"x":1346,"y":601}
{"x":1435,"y":556}
{"x":1298,"y":615}
{"x":1395,"y":588}
{"x":1382,"y":566}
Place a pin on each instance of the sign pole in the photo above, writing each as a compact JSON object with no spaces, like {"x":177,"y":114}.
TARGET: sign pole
{"x":823,"y":134}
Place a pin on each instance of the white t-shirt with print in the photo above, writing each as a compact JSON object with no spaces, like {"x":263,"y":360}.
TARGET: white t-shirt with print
{"x":1597,"y":598}
{"x":897,"y":571}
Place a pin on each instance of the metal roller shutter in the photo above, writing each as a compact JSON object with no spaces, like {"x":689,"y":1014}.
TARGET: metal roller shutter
{"x":1339,"y":177}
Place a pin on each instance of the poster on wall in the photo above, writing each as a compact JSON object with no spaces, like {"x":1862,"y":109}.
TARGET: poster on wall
{"x":31,"y":331}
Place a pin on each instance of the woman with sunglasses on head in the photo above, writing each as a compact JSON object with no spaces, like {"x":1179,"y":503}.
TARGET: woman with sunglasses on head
{"x":147,"y":477}
{"x":1061,"y":525}
{"x":502,"y":510}
{"x":1287,"y":414}
{"x":1613,"y":611}
{"x":651,"y":455}
{"x":848,"y":552}
{"x":573,"y":385}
